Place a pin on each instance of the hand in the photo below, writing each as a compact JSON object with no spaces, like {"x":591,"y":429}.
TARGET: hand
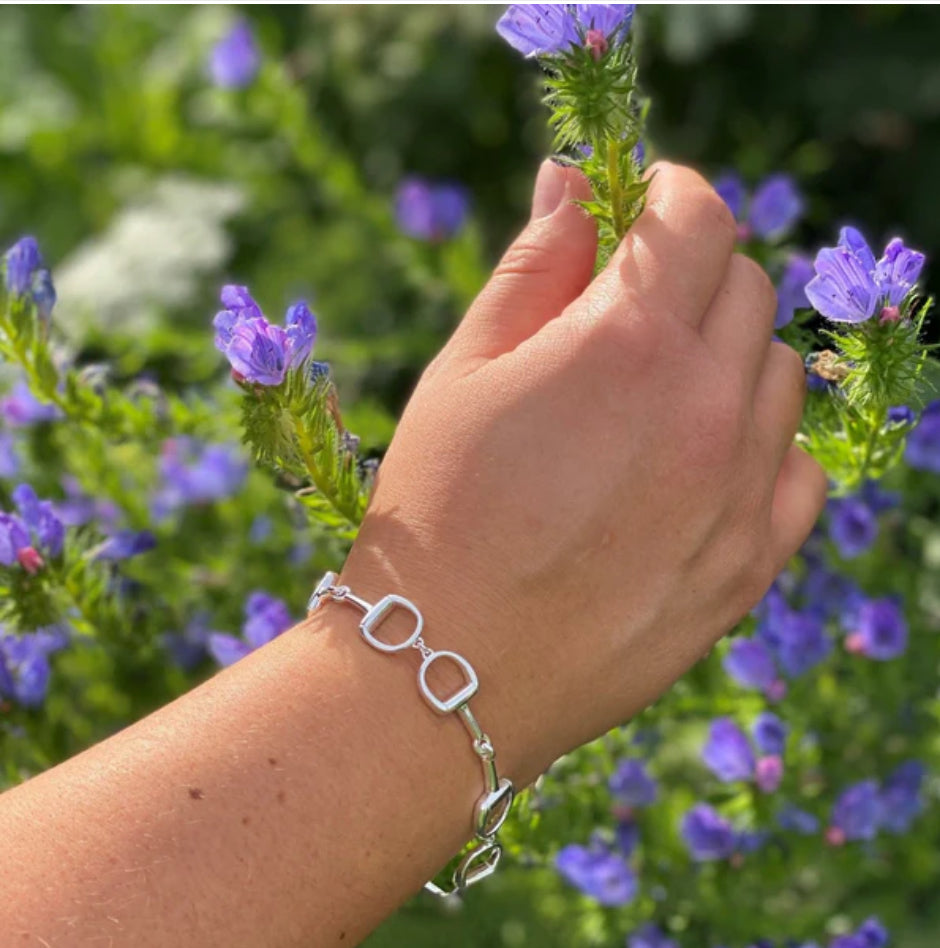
{"x":595,"y":480}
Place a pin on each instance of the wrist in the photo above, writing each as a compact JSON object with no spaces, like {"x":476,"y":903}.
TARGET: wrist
{"x":452,"y":624}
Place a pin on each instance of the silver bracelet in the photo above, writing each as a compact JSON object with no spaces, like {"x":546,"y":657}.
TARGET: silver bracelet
{"x":493,"y":806}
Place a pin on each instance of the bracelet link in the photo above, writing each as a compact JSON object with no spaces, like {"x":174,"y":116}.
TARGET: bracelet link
{"x":492,"y":808}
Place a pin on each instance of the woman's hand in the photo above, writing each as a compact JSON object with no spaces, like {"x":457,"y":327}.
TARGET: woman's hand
{"x":595,"y":480}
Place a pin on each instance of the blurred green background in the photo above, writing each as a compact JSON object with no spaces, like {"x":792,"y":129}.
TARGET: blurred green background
{"x":147,"y":187}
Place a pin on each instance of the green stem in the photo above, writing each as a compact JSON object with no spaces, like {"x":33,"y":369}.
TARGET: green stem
{"x":616,"y":188}
{"x":870,"y":444}
{"x":320,"y":481}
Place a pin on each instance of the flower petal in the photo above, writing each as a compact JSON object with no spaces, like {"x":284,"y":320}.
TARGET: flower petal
{"x":842,"y":290}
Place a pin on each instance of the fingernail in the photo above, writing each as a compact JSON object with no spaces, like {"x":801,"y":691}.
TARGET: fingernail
{"x":549,"y":189}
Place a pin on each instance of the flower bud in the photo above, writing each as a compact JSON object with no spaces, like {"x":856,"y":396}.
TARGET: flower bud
{"x":30,"y":560}
{"x":596,"y":42}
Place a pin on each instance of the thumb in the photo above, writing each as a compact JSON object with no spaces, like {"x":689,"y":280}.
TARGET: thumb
{"x":547,"y":267}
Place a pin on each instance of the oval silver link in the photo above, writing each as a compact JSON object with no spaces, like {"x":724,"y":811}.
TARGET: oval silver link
{"x":479,"y":863}
{"x":492,"y":809}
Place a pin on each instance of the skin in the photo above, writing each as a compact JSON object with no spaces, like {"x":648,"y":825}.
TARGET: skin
{"x":592,"y":482}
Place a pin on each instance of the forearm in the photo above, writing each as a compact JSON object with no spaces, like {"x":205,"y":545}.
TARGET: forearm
{"x":295,"y":799}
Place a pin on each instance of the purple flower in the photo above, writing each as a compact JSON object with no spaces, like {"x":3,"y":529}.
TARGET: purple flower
{"x":650,"y":936}
{"x":22,"y":260}
{"x":795,"y":820}
{"x":540,"y":29}
{"x":265,"y":619}
{"x":430,"y":210}
{"x":24,"y":274}
{"x":856,"y":813}
{"x":772,"y":211}
{"x":24,"y":664}
{"x":14,"y":537}
{"x":770,"y":733}
{"x":226,"y":649}
{"x":20,"y":408}
{"x":301,"y":327}
{"x":727,"y":752}
{"x":196,"y":473}
{"x":632,"y":785}
{"x":853,"y":526}
{"x":598,"y":872}
{"x":880,"y":631}
{"x":731,"y":190}
{"x":923,"y":443}
{"x":850,"y":286}
{"x":872,"y":934}
{"x":901,"y":799}
{"x":846,"y":941}
{"x":800,"y":643}
{"x":751,"y":664}
{"x":124,"y":544}
{"x":791,"y":290}
{"x":828,"y":593}
{"x":234,"y":60}
{"x":707,"y":834}
{"x":47,"y":529}
{"x":775,"y":207}
{"x":259,"y":352}
{"x":901,"y":415}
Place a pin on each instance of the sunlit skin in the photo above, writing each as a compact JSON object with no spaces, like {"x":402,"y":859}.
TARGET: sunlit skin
{"x":592,"y":482}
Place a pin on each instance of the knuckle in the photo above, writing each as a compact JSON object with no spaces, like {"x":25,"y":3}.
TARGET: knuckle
{"x":750,"y":274}
{"x":716,"y":222}
{"x":529,"y":255}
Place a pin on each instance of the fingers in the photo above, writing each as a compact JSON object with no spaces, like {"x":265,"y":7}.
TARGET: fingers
{"x":778,"y":401}
{"x":673,"y":260}
{"x":739,"y":324}
{"x":799,"y":497}
{"x":546,"y":268}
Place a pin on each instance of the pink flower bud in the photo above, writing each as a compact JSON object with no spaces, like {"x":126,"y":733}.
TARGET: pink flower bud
{"x":768,"y":773}
{"x":596,"y":42}
{"x":621,"y":812}
{"x":855,"y":643}
{"x":30,"y":560}
{"x":890,"y":314}
{"x":744,"y":232}
{"x":835,"y":836}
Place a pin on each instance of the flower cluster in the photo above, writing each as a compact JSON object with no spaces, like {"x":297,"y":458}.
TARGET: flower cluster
{"x":729,"y":755}
{"x":547,"y":29}
{"x":850,"y":286}
{"x":602,"y":868}
{"x":259,"y":352}
{"x":866,"y":807}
